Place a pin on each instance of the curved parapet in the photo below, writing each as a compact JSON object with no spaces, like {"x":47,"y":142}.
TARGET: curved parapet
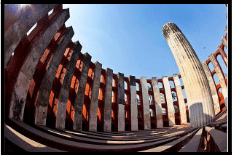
{"x":52,"y":88}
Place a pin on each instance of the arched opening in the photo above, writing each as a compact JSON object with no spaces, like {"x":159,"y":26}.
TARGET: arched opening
{"x":215,"y":78}
{"x":171,"y":84}
{"x":174,"y":96}
{"x":125,"y":85}
{"x":113,"y":82}
{"x":139,"y":114}
{"x":225,"y":49}
{"x":222,"y":64}
{"x":181,"y":82}
{"x":210,"y":65}
{"x":138,"y":99}
{"x":137,"y":86}
{"x":125,"y":99}
{"x":160,"y":86}
{"x":151,"y":113}
{"x":163,"y":111}
{"x":183,"y":91}
{"x":162,"y":98}
{"x":150,"y":100}
{"x":176,"y":109}
{"x":149,"y":87}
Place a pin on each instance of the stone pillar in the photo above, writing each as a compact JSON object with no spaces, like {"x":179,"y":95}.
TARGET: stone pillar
{"x":170,"y":107}
{"x":180,"y":97}
{"x":23,"y":81}
{"x":14,"y":32}
{"x":108,"y":100}
{"x":197,"y":88}
{"x":79,"y":100}
{"x":146,"y":106}
{"x":47,"y":83}
{"x":224,"y":41}
{"x":220,"y":78}
{"x":94,"y":97}
{"x":158,"y":105}
{"x":121,"y":101}
{"x":212,"y":87}
{"x":223,"y":55}
{"x":133,"y":104}
{"x":64,"y":92}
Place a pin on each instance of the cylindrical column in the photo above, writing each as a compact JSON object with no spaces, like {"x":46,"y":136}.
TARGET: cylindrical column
{"x":195,"y":81}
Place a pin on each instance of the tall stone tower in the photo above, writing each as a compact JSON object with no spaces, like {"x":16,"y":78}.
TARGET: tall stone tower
{"x":196,"y":85}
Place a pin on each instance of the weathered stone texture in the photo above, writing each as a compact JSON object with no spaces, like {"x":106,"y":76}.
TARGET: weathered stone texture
{"x":107,"y":101}
{"x":212,"y":87}
{"x":220,"y":77}
{"x":94,"y":97}
{"x":158,"y":106}
{"x":47,"y":83}
{"x":19,"y":93}
{"x":133,"y":104}
{"x":79,"y":100}
{"x":24,"y":19}
{"x":196,"y":84}
{"x":170,"y":107}
{"x":222,"y":54}
{"x":146,"y":106}
{"x":121,"y":101}
{"x":64,"y":92}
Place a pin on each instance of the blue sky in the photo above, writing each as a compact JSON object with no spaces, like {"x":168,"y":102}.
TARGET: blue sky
{"x":128,"y":37}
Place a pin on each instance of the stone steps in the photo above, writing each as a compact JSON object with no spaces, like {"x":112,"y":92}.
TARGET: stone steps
{"x":173,"y":146}
{"x":70,"y":142}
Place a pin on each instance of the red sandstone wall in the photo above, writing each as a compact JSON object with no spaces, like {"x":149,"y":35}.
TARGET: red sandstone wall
{"x":21,"y":52}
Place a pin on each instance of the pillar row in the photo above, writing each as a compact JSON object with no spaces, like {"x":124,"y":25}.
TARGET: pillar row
{"x":80,"y":96}
{"x":23,"y":81}
{"x":47,"y":83}
{"x":212,"y":87}
{"x":220,"y":77}
{"x":64,"y":92}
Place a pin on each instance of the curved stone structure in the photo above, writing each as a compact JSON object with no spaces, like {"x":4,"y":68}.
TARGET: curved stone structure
{"x":54,"y":92}
{"x":196,"y":84}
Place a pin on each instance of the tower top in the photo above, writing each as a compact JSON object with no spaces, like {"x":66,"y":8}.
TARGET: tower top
{"x":170,"y":28}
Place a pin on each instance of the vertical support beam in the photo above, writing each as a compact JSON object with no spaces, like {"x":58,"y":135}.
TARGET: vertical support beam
{"x":23,"y":81}
{"x":64,"y":92}
{"x":158,"y":105}
{"x":180,"y":97}
{"x":107,"y":100}
{"x":121,"y":100}
{"x":24,"y":19}
{"x":223,"y":55}
{"x":220,"y":77}
{"x":170,"y":107}
{"x":133,"y":104}
{"x":94,"y":97}
{"x":224,"y":41}
{"x":212,"y":87}
{"x":79,"y":100}
{"x":197,"y":88}
{"x":146,"y":106}
{"x":46,"y":85}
